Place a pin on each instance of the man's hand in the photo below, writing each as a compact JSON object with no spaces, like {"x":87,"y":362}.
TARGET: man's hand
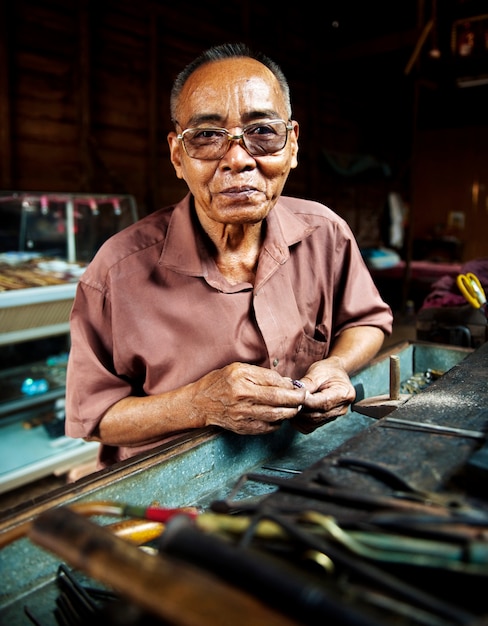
{"x":246,"y":399}
{"x":330,"y":391}
{"x":243,"y":398}
{"x":329,"y":394}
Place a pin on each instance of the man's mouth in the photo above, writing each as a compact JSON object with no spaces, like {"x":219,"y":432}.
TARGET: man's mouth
{"x":239,"y":192}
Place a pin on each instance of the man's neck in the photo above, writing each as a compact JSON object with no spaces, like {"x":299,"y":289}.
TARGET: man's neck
{"x":236,"y":249}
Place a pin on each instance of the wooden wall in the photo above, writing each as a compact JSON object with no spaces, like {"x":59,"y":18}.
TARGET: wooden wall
{"x":85,"y":88}
{"x":450,"y":169}
{"x":84,"y":91}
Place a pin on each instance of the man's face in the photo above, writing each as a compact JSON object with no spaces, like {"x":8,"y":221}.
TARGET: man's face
{"x":239,"y":188}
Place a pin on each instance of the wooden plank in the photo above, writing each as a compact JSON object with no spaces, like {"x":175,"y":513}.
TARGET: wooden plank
{"x":50,"y":131}
{"x":153,"y":169}
{"x":53,"y":106}
{"x":5,"y":96}
{"x":84,"y":97}
{"x":114,"y":140}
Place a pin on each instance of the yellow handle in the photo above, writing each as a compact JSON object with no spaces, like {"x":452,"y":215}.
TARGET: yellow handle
{"x":471,"y":288}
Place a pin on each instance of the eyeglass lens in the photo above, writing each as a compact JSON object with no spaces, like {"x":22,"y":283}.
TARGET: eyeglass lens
{"x":258,"y":139}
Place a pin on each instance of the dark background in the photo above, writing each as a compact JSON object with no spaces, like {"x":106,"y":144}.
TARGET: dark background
{"x":84,"y":90}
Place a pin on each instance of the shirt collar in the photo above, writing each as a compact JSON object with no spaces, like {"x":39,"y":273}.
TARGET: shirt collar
{"x":284,"y":230}
{"x":184,"y":250}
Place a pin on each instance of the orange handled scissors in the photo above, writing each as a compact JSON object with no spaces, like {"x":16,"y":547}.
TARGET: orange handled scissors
{"x":470,"y":286}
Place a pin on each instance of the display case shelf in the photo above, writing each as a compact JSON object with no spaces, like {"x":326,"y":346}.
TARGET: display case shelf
{"x":35,"y":312}
{"x":46,"y":242}
{"x":29,"y":455}
{"x":34,"y":385}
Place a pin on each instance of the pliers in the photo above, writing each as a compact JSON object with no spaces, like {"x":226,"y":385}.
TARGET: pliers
{"x":406,"y":491}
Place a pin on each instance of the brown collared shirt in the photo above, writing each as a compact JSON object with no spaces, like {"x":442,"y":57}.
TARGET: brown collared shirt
{"x":153,"y":313}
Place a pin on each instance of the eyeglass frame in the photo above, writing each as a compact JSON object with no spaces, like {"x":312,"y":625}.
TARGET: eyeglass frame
{"x":231,"y":137}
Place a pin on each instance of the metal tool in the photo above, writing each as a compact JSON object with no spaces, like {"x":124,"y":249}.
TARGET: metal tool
{"x":471,"y":288}
{"x":405,"y":490}
{"x":435,"y":428}
{"x":400,"y":548}
{"x":167,"y":588}
{"x":274,"y":582}
{"x":285,"y":470}
{"x":373,"y":575}
{"x":412,"y":501}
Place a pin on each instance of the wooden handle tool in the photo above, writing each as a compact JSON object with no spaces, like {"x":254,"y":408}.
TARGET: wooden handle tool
{"x":179,"y":593}
{"x":379,"y":406}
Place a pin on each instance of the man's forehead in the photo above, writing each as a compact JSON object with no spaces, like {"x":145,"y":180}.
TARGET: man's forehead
{"x":241,"y":84}
{"x":215,"y":118}
{"x":234,"y":66}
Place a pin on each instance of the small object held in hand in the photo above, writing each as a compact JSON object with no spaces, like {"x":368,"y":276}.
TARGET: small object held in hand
{"x":299,"y":385}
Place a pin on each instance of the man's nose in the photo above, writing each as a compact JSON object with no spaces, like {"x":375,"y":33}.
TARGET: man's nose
{"x":237,"y":151}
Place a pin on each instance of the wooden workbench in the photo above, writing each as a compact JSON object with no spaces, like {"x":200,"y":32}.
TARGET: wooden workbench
{"x":205,"y":468}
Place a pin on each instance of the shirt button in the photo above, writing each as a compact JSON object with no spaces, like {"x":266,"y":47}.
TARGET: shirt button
{"x":275,"y":362}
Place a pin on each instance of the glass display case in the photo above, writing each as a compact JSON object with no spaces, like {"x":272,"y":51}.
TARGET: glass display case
{"x":62,"y":225}
{"x":46,"y":241}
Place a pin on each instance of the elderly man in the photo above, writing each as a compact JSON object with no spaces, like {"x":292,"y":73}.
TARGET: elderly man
{"x":237,"y":307}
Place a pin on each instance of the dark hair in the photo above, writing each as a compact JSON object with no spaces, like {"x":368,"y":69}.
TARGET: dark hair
{"x":227,"y":51}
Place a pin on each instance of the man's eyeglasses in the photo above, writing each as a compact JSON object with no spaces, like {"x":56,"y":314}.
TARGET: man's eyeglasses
{"x":211,"y":144}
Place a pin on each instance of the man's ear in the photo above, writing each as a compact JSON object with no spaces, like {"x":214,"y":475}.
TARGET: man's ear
{"x":294,"y":144}
{"x":175,"y":153}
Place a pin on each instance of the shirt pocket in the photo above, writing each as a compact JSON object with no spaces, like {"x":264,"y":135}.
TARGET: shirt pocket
{"x":308,"y":350}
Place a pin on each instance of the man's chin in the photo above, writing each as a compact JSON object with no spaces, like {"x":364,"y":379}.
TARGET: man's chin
{"x":244,"y":212}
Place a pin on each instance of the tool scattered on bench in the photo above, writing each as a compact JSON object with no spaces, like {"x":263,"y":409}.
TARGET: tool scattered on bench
{"x":168,"y":589}
{"x":435,"y":428}
{"x":379,"y":406}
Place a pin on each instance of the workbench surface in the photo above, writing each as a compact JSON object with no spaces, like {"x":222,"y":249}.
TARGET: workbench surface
{"x":205,"y":468}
